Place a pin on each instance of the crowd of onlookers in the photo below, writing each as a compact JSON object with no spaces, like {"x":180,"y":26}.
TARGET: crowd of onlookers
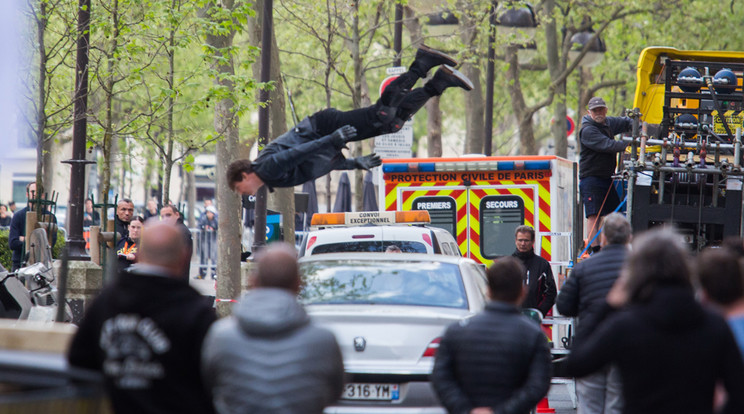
{"x":656,"y":331}
{"x":128,"y":225}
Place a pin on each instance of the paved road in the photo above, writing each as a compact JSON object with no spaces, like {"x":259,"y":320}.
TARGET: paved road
{"x":559,"y":398}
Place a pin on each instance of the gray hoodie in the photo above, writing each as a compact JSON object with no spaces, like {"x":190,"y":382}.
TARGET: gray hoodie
{"x":268,"y":358}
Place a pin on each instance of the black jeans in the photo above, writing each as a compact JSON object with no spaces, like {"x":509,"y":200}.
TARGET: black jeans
{"x":397,"y":94}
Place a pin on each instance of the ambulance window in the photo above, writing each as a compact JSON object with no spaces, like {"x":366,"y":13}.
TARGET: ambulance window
{"x":499,"y":217}
{"x":442,"y":210}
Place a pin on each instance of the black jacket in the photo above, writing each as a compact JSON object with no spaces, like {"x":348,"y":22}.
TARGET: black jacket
{"x":585,"y":290}
{"x":145,"y":333}
{"x":121,"y":227}
{"x":670,"y":352}
{"x":189,"y":240}
{"x":598,"y":148}
{"x":541,"y":284}
{"x":299,"y":155}
{"x":498,"y":359}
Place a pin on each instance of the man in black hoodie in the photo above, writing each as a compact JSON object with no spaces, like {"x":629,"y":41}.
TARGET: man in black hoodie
{"x":597,"y":162}
{"x":144,"y":332}
{"x":539,"y":279}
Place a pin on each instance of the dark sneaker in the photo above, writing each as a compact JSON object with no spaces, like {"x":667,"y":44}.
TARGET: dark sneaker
{"x":448,"y":77}
{"x":427,"y":58}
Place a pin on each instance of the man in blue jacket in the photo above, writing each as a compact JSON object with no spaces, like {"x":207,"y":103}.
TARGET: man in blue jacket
{"x":597,"y":162}
{"x":313,"y":147}
{"x":497,"y":361}
{"x":17,"y":233}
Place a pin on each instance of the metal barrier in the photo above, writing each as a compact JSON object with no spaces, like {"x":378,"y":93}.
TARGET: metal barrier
{"x":205,"y":251}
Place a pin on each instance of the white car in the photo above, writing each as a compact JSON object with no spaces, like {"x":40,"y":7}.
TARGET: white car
{"x":377,"y":236}
{"x":388,"y":312}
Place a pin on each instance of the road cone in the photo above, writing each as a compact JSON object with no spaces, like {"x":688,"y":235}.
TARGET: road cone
{"x":544,"y":407}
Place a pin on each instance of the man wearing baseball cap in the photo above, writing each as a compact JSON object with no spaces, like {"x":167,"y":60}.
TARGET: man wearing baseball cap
{"x":597,"y":162}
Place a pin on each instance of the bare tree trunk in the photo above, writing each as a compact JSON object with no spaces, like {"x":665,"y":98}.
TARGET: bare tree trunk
{"x":170,"y":135}
{"x":556,"y":66}
{"x":357,"y":96}
{"x":474,"y":110}
{"x":434,"y":128}
{"x":226,"y":124}
{"x":44,"y":169}
{"x":191,"y":196}
{"x":474,"y":103}
{"x":108,"y":90}
{"x":524,"y":117}
{"x":167,"y":171}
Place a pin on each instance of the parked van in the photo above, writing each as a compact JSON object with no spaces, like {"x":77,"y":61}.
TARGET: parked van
{"x":375,"y":231}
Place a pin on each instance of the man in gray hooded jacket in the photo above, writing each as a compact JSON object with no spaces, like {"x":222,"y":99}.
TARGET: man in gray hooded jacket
{"x":267,"y":357}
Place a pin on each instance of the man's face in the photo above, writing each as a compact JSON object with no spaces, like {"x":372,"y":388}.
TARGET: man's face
{"x":599,"y":115}
{"x":168,"y":215}
{"x":125,"y":211}
{"x":31,"y":192}
{"x":249,"y":185}
{"x":88,"y":205}
{"x":524,"y":242}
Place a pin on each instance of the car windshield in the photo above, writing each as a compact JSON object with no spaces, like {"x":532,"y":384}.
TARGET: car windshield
{"x":370,"y":246}
{"x":392,"y":283}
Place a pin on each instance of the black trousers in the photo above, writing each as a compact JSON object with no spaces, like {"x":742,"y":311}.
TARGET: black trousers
{"x":397,"y":95}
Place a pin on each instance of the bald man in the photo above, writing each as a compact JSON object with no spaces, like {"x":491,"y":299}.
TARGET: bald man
{"x":144,"y":332}
{"x":268,"y":357}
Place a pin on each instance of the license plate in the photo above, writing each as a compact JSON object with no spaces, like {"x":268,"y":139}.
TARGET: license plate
{"x":368,"y":391}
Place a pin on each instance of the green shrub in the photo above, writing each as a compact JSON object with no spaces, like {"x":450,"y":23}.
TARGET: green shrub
{"x":6,"y":254}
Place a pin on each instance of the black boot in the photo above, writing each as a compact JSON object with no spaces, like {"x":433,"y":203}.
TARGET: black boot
{"x":427,"y":58}
{"x":447,"y":77}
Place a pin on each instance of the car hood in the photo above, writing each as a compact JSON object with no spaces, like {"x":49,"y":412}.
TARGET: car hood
{"x":268,"y":311}
{"x":394,"y":337}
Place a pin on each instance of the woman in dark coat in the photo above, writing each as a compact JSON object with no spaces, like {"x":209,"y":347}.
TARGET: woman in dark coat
{"x":126,"y":249}
{"x":670,"y":350}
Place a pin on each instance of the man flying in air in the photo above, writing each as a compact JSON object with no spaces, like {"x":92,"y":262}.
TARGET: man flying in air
{"x":313,"y":147}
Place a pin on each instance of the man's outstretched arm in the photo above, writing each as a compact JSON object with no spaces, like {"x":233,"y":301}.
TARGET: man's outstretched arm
{"x":361,"y":163}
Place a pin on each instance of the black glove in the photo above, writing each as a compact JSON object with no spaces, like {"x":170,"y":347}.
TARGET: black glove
{"x":368,"y":161}
{"x":343,"y":135}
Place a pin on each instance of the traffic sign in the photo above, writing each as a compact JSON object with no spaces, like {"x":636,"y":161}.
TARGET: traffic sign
{"x":570,"y":125}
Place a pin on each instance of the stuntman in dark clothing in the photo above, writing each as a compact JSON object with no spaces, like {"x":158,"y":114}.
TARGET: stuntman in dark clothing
{"x":313,"y":147}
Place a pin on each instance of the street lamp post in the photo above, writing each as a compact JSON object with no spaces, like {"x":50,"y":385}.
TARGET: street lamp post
{"x":75,"y":240}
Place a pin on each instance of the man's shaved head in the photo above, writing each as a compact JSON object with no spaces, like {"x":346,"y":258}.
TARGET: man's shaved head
{"x":162,"y":244}
{"x":277,"y":268}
